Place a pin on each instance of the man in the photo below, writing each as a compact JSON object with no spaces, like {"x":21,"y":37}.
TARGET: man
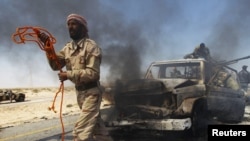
{"x":10,"y":94}
{"x":223,"y":78}
{"x":82,"y":58}
{"x":200,"y":52}
{"x":175,"y":73}
{"x":244,"y":78}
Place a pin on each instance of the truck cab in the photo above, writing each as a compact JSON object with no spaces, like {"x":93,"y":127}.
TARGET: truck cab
{"x":180,"y":95}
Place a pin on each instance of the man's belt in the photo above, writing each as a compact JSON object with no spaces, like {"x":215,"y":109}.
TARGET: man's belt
{"x":86,"y":86}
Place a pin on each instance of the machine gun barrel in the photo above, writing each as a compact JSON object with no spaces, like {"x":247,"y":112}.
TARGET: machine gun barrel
{"x":224,"y":63}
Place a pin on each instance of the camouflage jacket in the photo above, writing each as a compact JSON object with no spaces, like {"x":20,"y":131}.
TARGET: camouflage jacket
{"x":82,"y":61}
{"x":244,"y":76}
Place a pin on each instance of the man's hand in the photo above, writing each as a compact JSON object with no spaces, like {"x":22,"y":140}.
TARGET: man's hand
{"x":43,"y":37}
{"x":62,"y":76}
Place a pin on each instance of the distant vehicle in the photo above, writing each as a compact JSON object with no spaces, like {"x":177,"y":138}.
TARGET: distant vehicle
{"x":187,"y":101}
{"x":9,"y":95}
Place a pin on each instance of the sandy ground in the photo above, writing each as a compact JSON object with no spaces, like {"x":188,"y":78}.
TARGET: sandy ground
{"x":36,"y":106}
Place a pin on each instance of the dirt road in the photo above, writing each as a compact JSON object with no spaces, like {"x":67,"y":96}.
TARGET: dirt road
{"x":34,"y":110}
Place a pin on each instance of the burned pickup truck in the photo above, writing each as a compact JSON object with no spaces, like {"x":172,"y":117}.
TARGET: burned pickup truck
{"x":8,"y":95}
{"x":179,"y":95}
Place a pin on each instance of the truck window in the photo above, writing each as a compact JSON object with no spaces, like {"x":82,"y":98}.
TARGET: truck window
{"x":178,"y":70}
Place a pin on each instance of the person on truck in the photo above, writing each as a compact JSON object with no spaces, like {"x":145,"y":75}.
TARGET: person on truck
{"x":244,"y":77}
{"x":222,"y":78}
{"x":199,"y":52}
{"x":175,"y":73}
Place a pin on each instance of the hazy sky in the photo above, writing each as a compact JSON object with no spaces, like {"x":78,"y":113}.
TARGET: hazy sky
{"x":131,"y":33}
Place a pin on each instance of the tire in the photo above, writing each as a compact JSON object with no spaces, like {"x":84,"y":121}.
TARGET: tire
{"x":21,"y":98}
{"x":200,"y":118}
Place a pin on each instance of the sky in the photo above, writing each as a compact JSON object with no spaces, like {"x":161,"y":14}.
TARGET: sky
{"x":131,"y":33}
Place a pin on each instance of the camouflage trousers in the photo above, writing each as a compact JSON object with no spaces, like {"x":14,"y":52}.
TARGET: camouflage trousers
{"x":244,"y":86}
{"x":90,"y":126}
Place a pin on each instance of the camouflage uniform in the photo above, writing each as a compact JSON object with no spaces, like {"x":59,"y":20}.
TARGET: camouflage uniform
{"x":175,"y":73}
{"x":244,"y":77}
{"x":200,"y":51}
{"x":82,"y":61}
{"x":223,"y":78}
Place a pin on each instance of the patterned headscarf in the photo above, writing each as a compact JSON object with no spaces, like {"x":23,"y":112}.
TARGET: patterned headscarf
{"x":79,"y":18}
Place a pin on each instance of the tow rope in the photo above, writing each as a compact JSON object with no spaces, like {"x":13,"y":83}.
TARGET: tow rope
{"x":29,"y":33}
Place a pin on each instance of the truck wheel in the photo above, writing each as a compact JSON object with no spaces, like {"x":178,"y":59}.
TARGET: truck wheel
{"x":20,"y":98}
{"x":199,"y":119}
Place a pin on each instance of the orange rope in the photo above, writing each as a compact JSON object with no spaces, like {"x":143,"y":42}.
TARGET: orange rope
{"x":29,"y":33}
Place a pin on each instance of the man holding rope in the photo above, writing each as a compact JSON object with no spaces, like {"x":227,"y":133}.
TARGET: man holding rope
{"x":82,"y":58}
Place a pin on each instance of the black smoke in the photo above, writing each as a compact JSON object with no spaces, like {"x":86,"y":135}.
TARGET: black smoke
{"x":230,"y":31}
{"x":129,"y":39}
{"x":124,"y":43}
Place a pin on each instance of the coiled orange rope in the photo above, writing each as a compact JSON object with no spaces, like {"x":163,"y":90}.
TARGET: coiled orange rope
{"x":29,"y":33}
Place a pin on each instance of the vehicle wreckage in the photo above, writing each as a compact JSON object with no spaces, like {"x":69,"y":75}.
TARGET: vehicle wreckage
{"x":8,"y":95}
{"x":167,"y":102}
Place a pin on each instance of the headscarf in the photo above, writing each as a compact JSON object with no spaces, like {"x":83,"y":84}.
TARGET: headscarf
{"x":79,"y":18}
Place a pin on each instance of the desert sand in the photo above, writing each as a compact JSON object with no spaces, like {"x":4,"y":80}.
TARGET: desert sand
{"x":36,"y":106}
{"x":38,"y":100}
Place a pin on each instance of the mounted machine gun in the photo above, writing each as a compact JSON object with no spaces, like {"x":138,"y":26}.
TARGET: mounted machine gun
{"x":226,"y":63}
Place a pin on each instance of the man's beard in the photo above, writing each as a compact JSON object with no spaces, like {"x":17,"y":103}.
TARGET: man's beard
{"x":76,"y":35}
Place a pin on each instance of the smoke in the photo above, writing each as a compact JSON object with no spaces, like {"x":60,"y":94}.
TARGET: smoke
{"x":231,"y":30}
{"x":131,"y":34}
{"x":124,"y":43}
